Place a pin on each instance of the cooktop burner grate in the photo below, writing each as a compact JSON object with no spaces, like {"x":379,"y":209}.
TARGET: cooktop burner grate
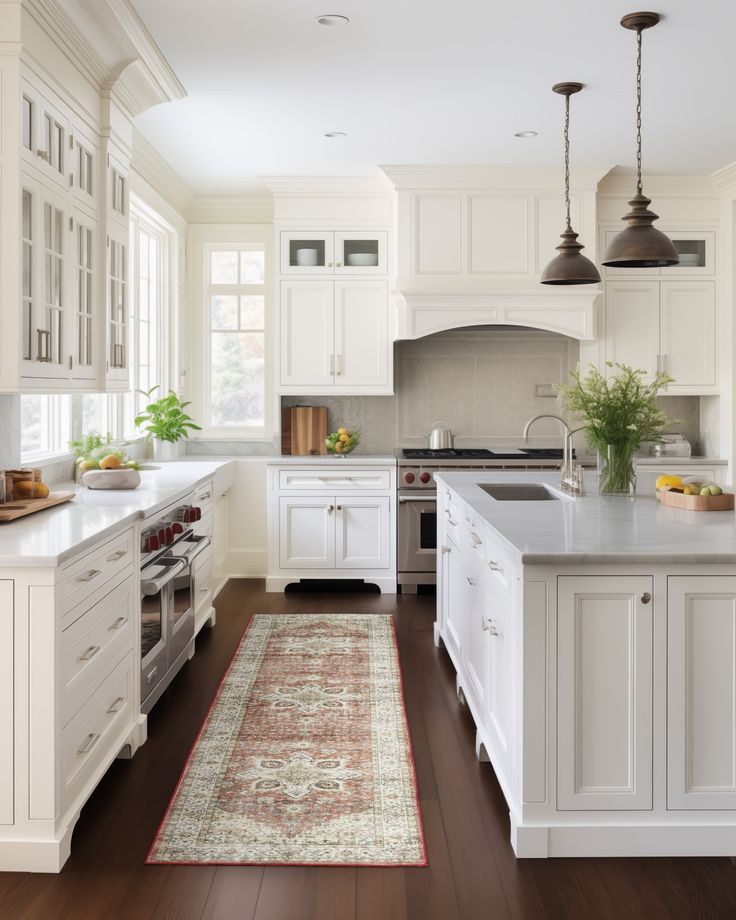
{"x":481,"y":453}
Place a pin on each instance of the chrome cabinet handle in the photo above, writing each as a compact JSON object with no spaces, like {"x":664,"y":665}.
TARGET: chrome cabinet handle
{"x":338,"y":365}
{"x":44,"y":154}
{"x":475,"y":540}
{"x":488,"y":626}
{"x":88,"y":576}
{"x":43,"y":345}
{"x":118,"y":554}
{"x":205,"y":496}
{"x":494,"y":566}
{"x":151,"y":675}
{"x":92,"y":740}
{"x":450,"y":521}
{"x":118,"y":355}
{"x":116,"y":705}
{"x":446,"y":549}
{"x":118,"y":623}
{"x":90,"y":653}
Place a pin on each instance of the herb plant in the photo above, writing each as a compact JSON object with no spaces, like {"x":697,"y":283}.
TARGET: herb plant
{"x":165,"y":418}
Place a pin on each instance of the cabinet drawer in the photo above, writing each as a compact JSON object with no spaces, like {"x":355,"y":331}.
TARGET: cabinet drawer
{"x":203,"y":499}
{"x":90,"y":738}
{"x":94,"y":643}
{"x":332,"y":480}
{"x":203,"y":569}
{"x":86,"y":574}
{"x":453,"y":522}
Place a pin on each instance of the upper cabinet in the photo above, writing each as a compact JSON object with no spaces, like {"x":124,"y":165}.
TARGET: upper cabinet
{"x":695,"y":248}
{"x":305,"y":252}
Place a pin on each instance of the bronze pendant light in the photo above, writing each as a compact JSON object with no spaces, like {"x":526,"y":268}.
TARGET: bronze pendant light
{"x":570,"y":266}
{"x":640,"y":245}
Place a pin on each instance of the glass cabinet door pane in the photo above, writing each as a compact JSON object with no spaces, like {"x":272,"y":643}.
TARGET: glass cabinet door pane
{"x":359,"y":253}
{"x":27,"y":123}
{"x":307,"y":253}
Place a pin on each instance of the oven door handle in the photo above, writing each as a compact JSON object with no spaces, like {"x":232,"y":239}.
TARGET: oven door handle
{"x":151,"y":586}
{"x":199,"y":545}
{"x":417,"y":498}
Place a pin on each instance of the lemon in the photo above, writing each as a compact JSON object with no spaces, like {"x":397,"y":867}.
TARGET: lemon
{"x":344,"y":437}
{"x":342,"y":431}
{"x":666,"y":480}
{"x":110,"y":462}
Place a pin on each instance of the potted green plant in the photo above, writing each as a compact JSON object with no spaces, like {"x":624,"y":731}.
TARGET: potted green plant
{"x":620,"y":413}
{"x":166,"y":422}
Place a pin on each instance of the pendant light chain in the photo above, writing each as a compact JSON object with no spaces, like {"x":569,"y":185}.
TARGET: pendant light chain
{"x":567,"y":161}
{"x":638,"y":111}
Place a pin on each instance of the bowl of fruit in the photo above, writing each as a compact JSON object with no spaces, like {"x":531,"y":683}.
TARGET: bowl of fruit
{"x":342,"y":442}
{"x":109,"y":469}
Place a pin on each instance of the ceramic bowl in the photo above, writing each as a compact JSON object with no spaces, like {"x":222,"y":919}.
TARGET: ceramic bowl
{"x":306,"y":256}
{"x":362,"y":258}
{"x":111,"y":479}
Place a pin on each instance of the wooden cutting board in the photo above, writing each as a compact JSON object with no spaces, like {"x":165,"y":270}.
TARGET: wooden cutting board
{"x":13,"y":510}
{"x":303,"y":431}
{"x":722,"y":502}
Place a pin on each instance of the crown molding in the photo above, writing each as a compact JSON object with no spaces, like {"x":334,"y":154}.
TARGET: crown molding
{"x":153,"y":168}
{"x":230,"y":209}
{"x":480,"y":176}
{"x":725,"y":177}
{"x":64,"y":33}
{"x":619,"y":185}
{"x":327,"y":186}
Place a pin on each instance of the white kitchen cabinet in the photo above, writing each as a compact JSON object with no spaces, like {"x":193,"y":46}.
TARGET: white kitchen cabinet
{"x":331,"y":524}
{"x":307,"y":533}
{"x":362,"y":535}
{"x":118,"y":305}
{"x":334,"y":337}
{"x":346,"y":252}
{"x":697,"y":251}
{"x":701,"y":699}
{"x":664,"y":325}
{"x":84,"y":351}
{"x":7,"y":698}
{"x":473,"y":597}
{"x":604,"y":692}
{"x":84,"y":168}
{"x":456,"y":611}
{"x":45,"y":135}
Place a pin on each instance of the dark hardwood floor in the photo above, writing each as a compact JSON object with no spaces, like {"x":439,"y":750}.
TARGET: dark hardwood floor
{"x":472,"y":872}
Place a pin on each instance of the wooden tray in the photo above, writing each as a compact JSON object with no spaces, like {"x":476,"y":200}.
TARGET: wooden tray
{"x":722,"y":502}
{"x":13,"y":510}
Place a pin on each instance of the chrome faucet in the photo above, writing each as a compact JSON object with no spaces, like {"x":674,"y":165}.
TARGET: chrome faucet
{"x":569,"y":481}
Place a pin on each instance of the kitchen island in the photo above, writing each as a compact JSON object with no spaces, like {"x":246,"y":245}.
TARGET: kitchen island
{"x":594,"y":640}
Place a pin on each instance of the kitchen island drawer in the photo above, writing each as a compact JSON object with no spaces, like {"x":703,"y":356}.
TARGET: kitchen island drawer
{"x":203,"y":498}
{"x":94,"y":643}
{"x":94,"y":734}
{"x":375,"y":479}
{"x":86,"y":574}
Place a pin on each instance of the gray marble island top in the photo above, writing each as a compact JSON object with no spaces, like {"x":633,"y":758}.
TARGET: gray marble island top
{"x":594,"y":528}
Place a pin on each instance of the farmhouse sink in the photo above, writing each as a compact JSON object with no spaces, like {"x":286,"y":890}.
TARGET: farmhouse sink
{"x":520,"y":492}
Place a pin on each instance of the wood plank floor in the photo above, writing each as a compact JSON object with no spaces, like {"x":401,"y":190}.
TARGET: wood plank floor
{"x":472,"y":872}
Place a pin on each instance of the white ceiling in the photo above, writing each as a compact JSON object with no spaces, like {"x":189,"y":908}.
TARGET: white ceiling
{"x":433,"y":82}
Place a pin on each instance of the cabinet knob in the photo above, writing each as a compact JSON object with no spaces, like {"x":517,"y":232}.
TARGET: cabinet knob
{"x":338,"y":264}
{"x":330,"y":509}
{"x":329,"y":264}
{"x":646,"y":597}
{"x":339,"y":507}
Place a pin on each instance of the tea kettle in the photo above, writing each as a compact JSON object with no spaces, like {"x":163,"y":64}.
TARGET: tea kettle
{"x":440,"y":437}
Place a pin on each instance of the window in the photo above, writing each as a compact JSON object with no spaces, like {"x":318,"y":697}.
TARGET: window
{"x":236,"y":321}
{"x":45,"y":425}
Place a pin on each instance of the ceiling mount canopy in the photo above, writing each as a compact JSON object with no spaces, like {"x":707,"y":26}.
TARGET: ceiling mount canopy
{"x":640,"y":245}
{"x":570,"y":266}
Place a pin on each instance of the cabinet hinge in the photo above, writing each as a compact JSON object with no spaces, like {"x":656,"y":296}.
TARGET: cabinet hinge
{"x":70,"y":362}
{"x":71,"y":223}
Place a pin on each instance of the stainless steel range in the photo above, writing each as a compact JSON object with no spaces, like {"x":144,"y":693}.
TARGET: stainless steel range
{"x":417,"y":523}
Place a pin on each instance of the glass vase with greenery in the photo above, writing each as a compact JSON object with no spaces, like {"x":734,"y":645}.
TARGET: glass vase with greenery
{"x":620,"y":413}
{"x":165,"y":420}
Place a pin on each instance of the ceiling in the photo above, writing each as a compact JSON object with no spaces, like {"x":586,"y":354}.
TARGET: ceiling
{"x":432,"y":82}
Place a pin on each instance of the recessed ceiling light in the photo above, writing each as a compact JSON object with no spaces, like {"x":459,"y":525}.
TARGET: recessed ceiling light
{"x":336,"y":133}
{"x":526,"y":133}
{"x":333,"y":19}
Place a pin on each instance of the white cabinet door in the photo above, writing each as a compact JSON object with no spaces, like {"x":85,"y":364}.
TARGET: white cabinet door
{"x":307,"y":333}
{"x":500,"y":692}
{"x":6,"y":702}
{"x":455,"y":613}
{"x":701,"y":700}
{"x":688,"y":336}
{"x":118,"y":306}
{"x":84,"y":347}
{"x":362,"y":532}
{"x":604,"y":692}
{"x":306,"y":252}
{"x":632,"y":324}
{"x":477,"y":651}
{"x":361,"y":334}
{"x":307,"y":533}
{"x":359,"y":253}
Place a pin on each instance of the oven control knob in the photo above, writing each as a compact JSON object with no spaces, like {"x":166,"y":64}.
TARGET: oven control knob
{"x":169,"y":535}
{"x":425,"y":477}
{"x":153,"y":543}
{"x":177,"y":528}
{"x":197,"y":512}
{"x":409,"y":477}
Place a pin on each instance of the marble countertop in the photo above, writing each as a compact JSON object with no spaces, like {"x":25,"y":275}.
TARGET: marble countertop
{"x":337,"y":462}
{"x":595,"y":528}
{"x":681,"y":461}
{"x":51,"y":537}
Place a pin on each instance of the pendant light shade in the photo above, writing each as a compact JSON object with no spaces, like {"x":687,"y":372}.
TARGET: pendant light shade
{"x":570,"y":266}
{"x":640,"y":245}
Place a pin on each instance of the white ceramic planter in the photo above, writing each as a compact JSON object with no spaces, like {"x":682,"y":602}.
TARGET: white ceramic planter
{"x":165,"y":450}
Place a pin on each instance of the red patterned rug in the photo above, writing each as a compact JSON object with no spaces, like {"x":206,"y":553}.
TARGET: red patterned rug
{"x":304,"y":757}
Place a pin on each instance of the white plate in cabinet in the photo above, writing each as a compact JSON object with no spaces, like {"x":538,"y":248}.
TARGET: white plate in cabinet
{"x":84,"y":576}
{"x":321,"y":479}
{"x":604,"y":692}
{"x":701,"y":701}
{"x":92,"y":737}
{"x":94,"y":642}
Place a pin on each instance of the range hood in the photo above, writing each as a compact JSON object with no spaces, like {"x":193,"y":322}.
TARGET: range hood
{"x":471,"y":243}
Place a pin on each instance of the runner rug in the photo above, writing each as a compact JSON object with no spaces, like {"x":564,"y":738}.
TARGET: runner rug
{"x":304,"y":757}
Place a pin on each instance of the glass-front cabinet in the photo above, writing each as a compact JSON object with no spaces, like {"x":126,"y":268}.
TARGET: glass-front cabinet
{"x":117,"y":307}
{"x":695,"y":248}
{"x":334,"y":253}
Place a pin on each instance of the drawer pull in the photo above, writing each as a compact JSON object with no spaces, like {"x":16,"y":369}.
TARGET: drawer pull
{"x":494,"y":566}
{"x":471,"y":581}
{"x":90,"y":653}
{"x":450,"y":521}
{"x":92,"y":740}
{"x":118,"y":623}
{"x":151,"y":675}
{"x":117,"y":555}
{"x":205,"y":496}
{"x":116,"y":705}
{"x":488,"y":626}
{"x":204,"y":590}
{"x":475,"y":540}
{"x":88,"y":576}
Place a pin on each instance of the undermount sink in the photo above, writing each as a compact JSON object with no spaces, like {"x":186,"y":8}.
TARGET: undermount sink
{"x":520,"y":492}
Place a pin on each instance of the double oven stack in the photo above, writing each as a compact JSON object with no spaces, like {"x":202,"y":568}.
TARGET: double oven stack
{"x":417,"y":521}
{"x":169,"y":546}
